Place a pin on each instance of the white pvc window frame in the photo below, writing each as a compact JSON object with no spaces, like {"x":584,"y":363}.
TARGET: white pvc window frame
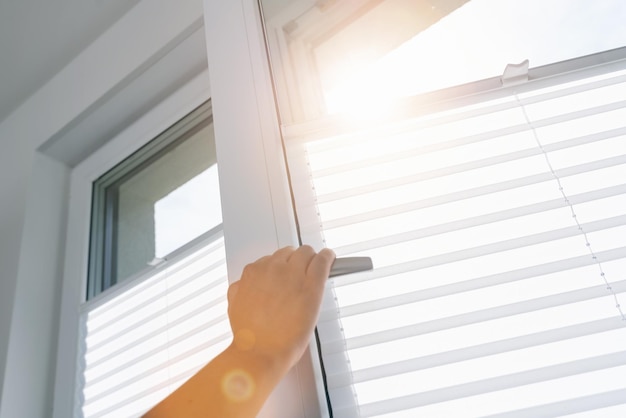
{"x":252,"y":169}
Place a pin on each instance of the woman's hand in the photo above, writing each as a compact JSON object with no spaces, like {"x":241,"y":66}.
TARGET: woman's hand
{"x":274,"y":307}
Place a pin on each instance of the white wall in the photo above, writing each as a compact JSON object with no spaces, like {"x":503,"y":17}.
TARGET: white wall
{"x":15,"y":166}
{"x":33,"y":186}
{"x":32,"y":349}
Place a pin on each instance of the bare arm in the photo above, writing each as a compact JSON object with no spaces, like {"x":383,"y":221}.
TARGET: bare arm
{"x":272,"y":312}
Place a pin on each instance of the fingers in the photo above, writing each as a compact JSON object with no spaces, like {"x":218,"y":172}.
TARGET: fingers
{"x":319,"y":267}
{"x":301,"y":258}
{"x":284,"y":254}
{"x":281,"y":254}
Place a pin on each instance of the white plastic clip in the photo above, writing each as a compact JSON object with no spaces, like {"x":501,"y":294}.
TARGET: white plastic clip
{"x":156,"y":261}
{"x":515,"y":74}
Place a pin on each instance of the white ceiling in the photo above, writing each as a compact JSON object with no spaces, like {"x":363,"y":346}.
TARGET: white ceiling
{"x":39,"y":37}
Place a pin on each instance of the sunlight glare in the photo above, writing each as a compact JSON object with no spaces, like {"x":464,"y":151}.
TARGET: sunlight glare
{"x":475,"y":42}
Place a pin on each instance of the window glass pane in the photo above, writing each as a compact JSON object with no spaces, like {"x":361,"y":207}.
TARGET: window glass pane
{"x":198,"y":200}
{"x":166,"y":204}
{"x":155,"y":202}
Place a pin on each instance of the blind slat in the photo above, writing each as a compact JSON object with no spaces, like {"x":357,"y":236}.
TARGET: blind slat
{"x":501,"y":246}
{"x":136,"y":326}
{"x":466,"y":194}
{"x":453,"y":289}
{"x":494,"y":384}
{"x":570,"y":406}
{"x":122,"y":386}
{"x":122,"y":314}
{"x":481,"y":220}
{"x":157,"y":349}
{"x":427,"y":149}
{"x":540,"y":269}
{"x":468,"y":353}
{"x":564,"y":172}
{"x":473,"y":317}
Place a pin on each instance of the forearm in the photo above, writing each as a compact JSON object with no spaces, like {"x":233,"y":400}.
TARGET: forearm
{"x":272,"y":310}
{"x":235,"y":384}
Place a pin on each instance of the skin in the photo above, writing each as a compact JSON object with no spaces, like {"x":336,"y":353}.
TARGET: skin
{"x":272,"y":310}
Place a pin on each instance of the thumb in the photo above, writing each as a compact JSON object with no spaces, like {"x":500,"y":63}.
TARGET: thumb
{"x":319,"y":267}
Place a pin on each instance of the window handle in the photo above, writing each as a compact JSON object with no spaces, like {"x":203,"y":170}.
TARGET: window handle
{"x":347,"y":265}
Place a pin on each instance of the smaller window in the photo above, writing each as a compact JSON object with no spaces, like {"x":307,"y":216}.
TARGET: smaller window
{"x":155,"y":202}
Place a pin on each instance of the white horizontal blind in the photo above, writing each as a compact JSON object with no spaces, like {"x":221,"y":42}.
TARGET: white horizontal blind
{"x":146,"y":338}
{"x":498,"y":235}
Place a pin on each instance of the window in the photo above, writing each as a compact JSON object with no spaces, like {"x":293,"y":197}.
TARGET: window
{"x":246,"y":135}
{"x":154,"y":202}
{"x":493,"y":210}
{"x":157,"y":307}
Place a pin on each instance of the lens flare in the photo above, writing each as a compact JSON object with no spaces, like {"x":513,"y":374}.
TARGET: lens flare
{"x":238,"y":386}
